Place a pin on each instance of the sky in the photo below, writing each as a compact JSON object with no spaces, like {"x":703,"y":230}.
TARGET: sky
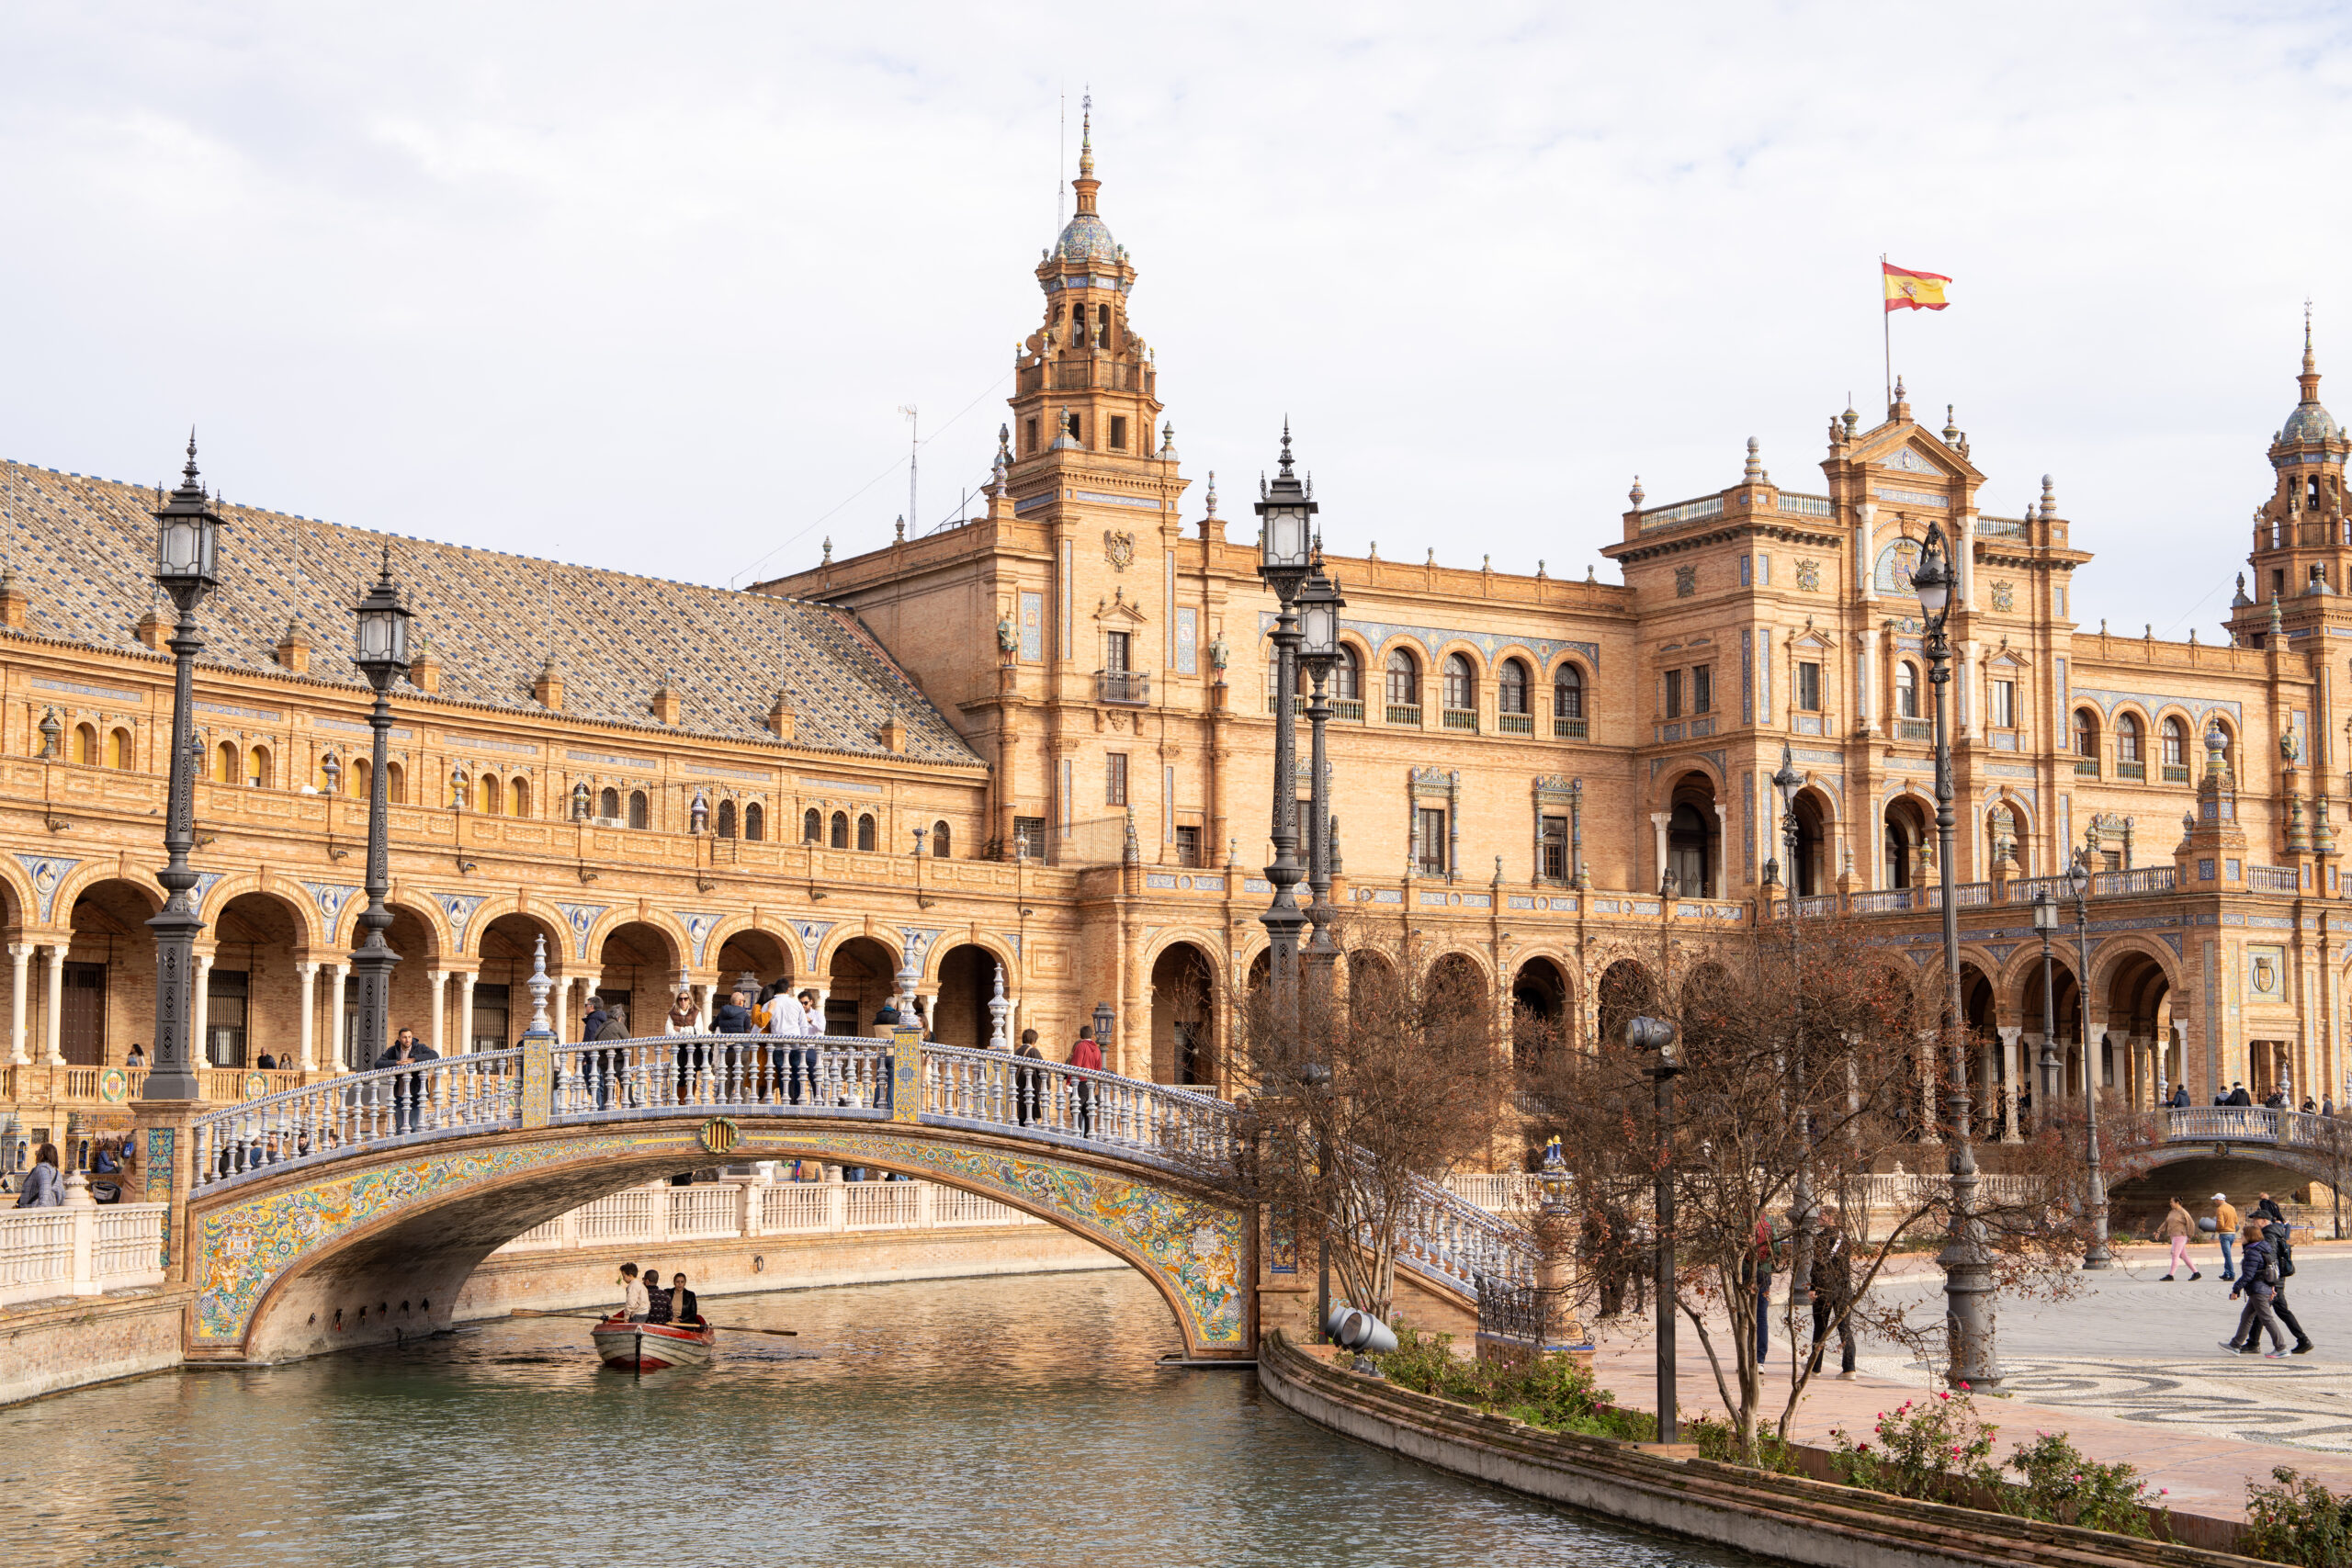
{"x":647,"y":287}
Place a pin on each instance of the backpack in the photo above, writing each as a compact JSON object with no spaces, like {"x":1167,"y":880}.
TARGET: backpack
{"x":2282,"y":1252}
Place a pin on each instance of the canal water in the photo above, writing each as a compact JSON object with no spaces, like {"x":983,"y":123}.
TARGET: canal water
{"x":996,"y":1422}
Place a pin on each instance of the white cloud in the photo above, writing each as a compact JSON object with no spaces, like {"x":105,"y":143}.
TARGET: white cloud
{"x":646,"y":288}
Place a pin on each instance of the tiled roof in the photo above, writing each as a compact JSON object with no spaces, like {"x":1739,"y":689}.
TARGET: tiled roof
{"x":82,"y":547}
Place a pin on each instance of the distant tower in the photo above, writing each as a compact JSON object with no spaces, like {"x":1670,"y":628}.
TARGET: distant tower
{"x":2302,"y":551}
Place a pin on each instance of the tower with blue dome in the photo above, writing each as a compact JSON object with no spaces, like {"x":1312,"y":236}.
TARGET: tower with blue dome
{"x":2303,"y":540}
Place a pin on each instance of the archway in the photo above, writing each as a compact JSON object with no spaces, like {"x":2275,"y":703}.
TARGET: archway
{"x":110,"y":972}
{"x":959,"y":1013}
{"x":862,"y":976}
{"x":1627,"y":990}
{"x":1183,"y":1043}
{"x":504,"y":954}
{"x":250,"y":1005}
{"x":1907,"y":850}
{"x":759,"y":958}
{"x":2139,"y":1007}
{"x":1539,"y":1006}
{"x":1456,"y":989}
{"x":637,"y":966}
{"x":1811,"y":873}
{"x":411,"y":936}
{"x":1693,"y":845}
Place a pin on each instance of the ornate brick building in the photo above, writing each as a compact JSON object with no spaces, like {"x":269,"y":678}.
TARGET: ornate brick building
{"x":1037,"y":743}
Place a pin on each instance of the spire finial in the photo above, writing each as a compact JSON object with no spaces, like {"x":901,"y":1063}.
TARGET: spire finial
{"x":188,"y":473}
{"x":1212,"y":512}
{"x":1286,"y":457}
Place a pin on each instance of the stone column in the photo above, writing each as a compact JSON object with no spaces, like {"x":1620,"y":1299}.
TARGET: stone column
{"x":53,"y":1029}
{"x":20,"y":956}
{"x":338,"y":975}
{"x":440,"y":980}
{"x":1657,"y":827}
{"x":1721,"y":888}
{"x":927,"y":1004}
{"x":465,"y":1010}
{"x":200,"y":1015}
{"x":559,"y":1011}
{"x":2011,"y":1059}
{"x":306,"y":1012}
{"x":822,"y":992}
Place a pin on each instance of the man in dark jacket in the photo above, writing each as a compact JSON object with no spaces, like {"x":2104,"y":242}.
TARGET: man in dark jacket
{"x":1833,"y":1290}
{"x":2258,"y":1278}
{"x":607,"y":1065}
{"x":407,"y":1091}
{"x":596,"y":1018}
{"x":2238,"y":1096}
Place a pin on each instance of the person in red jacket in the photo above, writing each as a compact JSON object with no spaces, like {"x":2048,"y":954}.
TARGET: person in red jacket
{"x":1086,"y":1053}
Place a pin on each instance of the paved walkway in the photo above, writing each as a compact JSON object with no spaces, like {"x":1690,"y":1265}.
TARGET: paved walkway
{"x":2131,"y":1370}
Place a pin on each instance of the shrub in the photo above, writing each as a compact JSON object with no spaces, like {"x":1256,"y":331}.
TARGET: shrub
{"x":1553,"y":1391}
{"x":1921,"y":1448}
{"x":1719,"y":1439}
{"x":2297,"y":1520}
{"x":2065,"y":1487}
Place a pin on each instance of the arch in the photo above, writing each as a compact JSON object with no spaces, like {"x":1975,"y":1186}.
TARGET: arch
{"x":812,"y":827}
{"x":2173,"y":747}
{"x":1346,"y":674}
{"x":755,"y":822}
{"x":395,"y":783}
{"x":2129,"y":729}
{"x":1184,"y":1046}
{"x":224,"y":763}
{"x":766,"y":956}
{"x":941,"y":843}
{"x":841,"y":831}
{"x":865,"y":836}
{"x":963,"y":982}
{"x":301,"y":909}
{"x":1401,"y":673}
{"x":1908,"y":842}
{"x":1626,"y":990}
{"x":1458,"y":683}
{"x":1568,"y":682}
{"x":639,"y":813}
{"x":1811,"y":871}
{"x":1907,"y":688}
{"x":518,"y":796}
{"x":86,"y":745}
{"x":251,"y":1007}
{"x":1540,"y":1011}
{"x":561,"y":946}
{"x":637,"y":960}
{"x":608,"y":805}
{"x":118,"y":748}
{"x":1693,"y":835}
{"x":2084,"y":733}
{"x":24,"y":896}
{"x":726,"y":823}
{"x":1512,"y":682}
{"x":109,"y":919}
{"x":860,"y":974}
{"x":489,"y":795}
{"x":259,"y":774}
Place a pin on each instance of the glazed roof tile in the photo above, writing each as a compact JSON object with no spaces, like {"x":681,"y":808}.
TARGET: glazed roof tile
{"x":81,"y":547}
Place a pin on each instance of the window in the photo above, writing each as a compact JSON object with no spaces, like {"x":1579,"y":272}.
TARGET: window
{"x":1073,"y":426}
{"x":86,"y":745}
{"x":395,"y":783}
{"x":865,"y":833}
{"x":118,"y":748}
{"x":2086,"y":733}
{"x":1702,"y":688}
{"x":226,"y":992}
{"x":1404,"y":681}
{"x":1906,"y":690}
{"x":1188,"y":845}
{"x":486,"y":1030}
{"x":812,"y":827}
{"x":1347,"y":677}
{"x":756,"y":822}
{"x":1118,"y":433}
{"x":1116,"y":650}
{"x":1511,"y":687}
{"x":518,"y":801}
{"x":2004,"y":704}
{"x":1552,"y":840}
{"x":1029,"y":833}
{"x":257,"y":767}
{"x":939,"y":840}
{"x":726,"y":819}
{"x":2127,"y":738}
{"x":841,"y":831}
{"x":640,"y":815}
{"x":1460,"y":685}
{"x":361,"y":767}
{"x":1114,"y":779}
{"x":1808,"y":687}
{"x":486,"y":795}
{"x":1674,"y":694}
{"x":1103,"y":325}
{"x":2175,"y":742}
{"x":608,"y":805}
{"x":1029,"y":438}
{"x":1428,"y":840}
{"x":224,"y":764}
{"x":1567,"y":693}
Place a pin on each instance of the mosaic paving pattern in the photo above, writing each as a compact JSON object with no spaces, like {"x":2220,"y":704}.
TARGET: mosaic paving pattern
{"x":81,"y":547}
{"x":2298,"y":1402}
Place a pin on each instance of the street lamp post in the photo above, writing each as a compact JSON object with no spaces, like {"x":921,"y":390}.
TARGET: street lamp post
{"x":1968,"y":1284}
{"x":188,"y":533}
{"x":1319,"y":649}
{"x":383,"y":654}
{"x":1285,"y":551}
{"x":2078,"y":881}
{"x":1786,"y":781}
{"x":1656,"y":1034}
{"x":2045,"y":926}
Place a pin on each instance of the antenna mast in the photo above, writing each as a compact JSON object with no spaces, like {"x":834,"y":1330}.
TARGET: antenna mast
{"x":914,"y":446}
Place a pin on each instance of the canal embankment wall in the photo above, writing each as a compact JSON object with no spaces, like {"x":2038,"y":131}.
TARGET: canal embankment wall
{"x":1797,"y":1518}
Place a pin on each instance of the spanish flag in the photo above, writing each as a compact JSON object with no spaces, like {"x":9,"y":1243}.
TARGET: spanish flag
{"x":1913,"y":290}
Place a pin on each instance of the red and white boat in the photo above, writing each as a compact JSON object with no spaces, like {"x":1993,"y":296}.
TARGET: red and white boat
{"x":653,"y":1346}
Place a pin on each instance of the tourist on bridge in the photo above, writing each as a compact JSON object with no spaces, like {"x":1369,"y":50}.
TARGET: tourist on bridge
{"x":684,"y":1017}
{"x":407,"y":1090}
{"x":634,"y":1305}
{"x":2258,"y":1280}
{"x":138,"y":1055}
{"x":2180,"y":1098}
{"x":1024,"y":1079}
{"x":2176,"y":1227}
{"x":2226,"y":1226}
{"x":43,"y":1187}
{"x":605,"y":1064}
{"x":1088,"y":1054}
{"x":794,"y":1019}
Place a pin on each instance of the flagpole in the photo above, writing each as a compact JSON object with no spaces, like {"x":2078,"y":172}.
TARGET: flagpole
{"x":1887,"y":332}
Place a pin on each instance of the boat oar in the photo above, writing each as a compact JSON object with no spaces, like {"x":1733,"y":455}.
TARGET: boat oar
{"x":599,"y":1317}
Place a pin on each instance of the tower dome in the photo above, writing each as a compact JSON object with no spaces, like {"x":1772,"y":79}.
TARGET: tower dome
{"x":1086,"y":238}
{"x":2309,"y":421}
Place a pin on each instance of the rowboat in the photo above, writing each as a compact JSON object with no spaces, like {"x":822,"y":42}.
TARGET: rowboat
{"x":651,"y":1347}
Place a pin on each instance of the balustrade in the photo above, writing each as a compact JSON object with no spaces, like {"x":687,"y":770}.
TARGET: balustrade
{"x":80,"y":1250}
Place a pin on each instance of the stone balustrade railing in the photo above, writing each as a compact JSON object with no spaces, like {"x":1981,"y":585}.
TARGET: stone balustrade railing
{"x":80,"y":1250}
{"x":741,"y":1209}
{"x":2327,"y":1136}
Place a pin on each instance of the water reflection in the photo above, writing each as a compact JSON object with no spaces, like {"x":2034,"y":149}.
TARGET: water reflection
{"x":998,"y":1421}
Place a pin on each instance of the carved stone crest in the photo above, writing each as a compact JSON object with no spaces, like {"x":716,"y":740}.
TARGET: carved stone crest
{"x":1809,"y":576}
{"x":1686,"y":582}
{"x":2004,"y":597}
{"x":1119,"y":549}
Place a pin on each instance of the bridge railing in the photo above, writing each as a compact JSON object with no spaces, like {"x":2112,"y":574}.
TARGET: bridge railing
{"x":988,"y":1088}
{"x":720,"y":1072}
{"x":322,"y":1121}
{"x":2253,"y":1124}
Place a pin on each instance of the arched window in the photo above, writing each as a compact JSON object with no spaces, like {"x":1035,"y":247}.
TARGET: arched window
{"x":726,"y":819}
{"x":395,"y":783}
{"x":1404,"y":685}
{"x":841,"y":831}
{"x":1567,"y":693}
{"x":756,"y":822}
{"x":812,"y":827}
{"x":518,"y":796}
{"x":1511,"y":687}
{"x":1347,"y":676}
{"x":356,"y":778}
{"x":224,"y":763}
{"x":939,"y":840}
{"x":257,"y":767}
{"x":488,"y":795}
{"x":608,"y":806}
{"x":118,"y":748}
{"x":639,"y":813}
{"x":2127,"y":738}
{"x":865,"y":833}
{"x":86,"y":744}
{"x":1906,"y":690}
{"x":2175,"y":743}
{"x":2086,"y":735}
{"x":1460,"y":685}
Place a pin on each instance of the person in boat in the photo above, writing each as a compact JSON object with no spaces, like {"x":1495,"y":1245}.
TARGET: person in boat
{"x":633,"y":1301}
{"x":685,"y":1309}
{"x":657,"y":1299}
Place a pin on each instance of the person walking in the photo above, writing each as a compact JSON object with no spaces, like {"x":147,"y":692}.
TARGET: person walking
{"x":43,"y":1187}
{"x":2226,"y":1226}
{"x":2178,"y":1228}
{"x":1833,"y":1291}
{"x":2258,"y":1279}
{"x":1756,"y":1269}
{"x":2266,"y":1208}
{"x":1086,"y":1053}
{"x":2280,"y":1239}
{"x":610,"y":1058}
{"x":1025,"y":1079}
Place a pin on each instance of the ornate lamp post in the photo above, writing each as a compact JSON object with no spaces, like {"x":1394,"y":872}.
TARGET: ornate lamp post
{"x":1786,"y":781}
{"x":2045,"y":926}
{"x":187,"y":532}
{"x":383,"y":653}
{"x":1285,"y":553}
{"x":1968,"y":1313}
{"x":1318,"y":648}
{"x":2078,"y":882}
{"x":1656,"y":1034}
